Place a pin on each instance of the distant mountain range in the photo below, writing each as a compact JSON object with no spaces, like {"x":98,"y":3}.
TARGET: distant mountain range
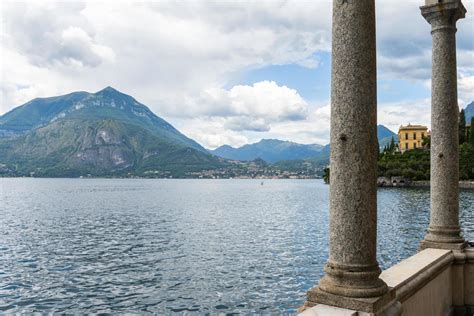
{"x":273,"y":150}
{"x":384,"y":135}
{"x":103,"y":133}
{"x":469,"y":112}
{"x":270,"y":150}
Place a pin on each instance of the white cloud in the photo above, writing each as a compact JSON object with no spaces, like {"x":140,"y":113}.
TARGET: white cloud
{"x":392,"y":115}
{"x":210,"y":132}
{"x":48,"y":33}
{"x":213,"y":131}
{"x":243,"y":123}
{"x":466,"y":89}
{"x":76,"y":46}
{"x":165,"y":53}
{"x":314,"y":129}
{"x":265,"y":102}
{"x":256,"y":108}
{"x":268,"y":101}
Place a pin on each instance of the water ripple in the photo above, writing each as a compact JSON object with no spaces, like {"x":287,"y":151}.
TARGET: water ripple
{"x":181,"y":246}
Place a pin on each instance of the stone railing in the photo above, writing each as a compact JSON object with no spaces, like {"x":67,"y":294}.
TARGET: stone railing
{"x":432,"y":282}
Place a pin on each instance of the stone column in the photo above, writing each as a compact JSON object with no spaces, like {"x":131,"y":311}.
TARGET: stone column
{"x":352,"y":271}
{"x":444,"y":230}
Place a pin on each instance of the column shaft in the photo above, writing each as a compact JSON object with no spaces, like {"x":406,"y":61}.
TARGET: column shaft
{"x":444,"y":229}
{"x":352,"y":270}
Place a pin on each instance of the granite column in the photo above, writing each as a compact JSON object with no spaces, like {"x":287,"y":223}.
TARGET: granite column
{"x":444,"y":230}
{"x":352,"y":271}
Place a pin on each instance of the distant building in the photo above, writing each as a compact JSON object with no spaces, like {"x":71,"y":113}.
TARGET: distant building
{"x":411,"y":136}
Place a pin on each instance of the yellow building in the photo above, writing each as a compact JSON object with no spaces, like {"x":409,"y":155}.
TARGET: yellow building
{"x":411,"y":136}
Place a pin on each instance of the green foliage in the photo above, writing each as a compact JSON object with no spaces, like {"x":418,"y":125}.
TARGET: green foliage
{"x":102,"y":147}
{"x":326,"y":175}
{"x":412,"y":164}
{"x":471,"y":133}
{"x":390,"y":148}
{"x":462,"y":127}
{"x":466,"y":161}
{"x":426,"y":142}
{"x":415,"y":164}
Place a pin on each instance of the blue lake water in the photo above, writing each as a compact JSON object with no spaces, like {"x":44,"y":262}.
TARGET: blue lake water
{"x":188,"y":246}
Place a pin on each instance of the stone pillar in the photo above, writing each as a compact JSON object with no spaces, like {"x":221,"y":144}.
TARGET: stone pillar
{"x":352,"y":272}
{"x":444,"y":230}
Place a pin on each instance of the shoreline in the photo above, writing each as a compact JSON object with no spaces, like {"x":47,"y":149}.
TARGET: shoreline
{"x":467,"y":184}
{"x":177,"y":178}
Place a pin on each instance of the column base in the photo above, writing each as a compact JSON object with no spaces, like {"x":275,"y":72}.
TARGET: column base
{"x":369,"y":305}
{"x":444,"y":237}
{"x":442,"y":245}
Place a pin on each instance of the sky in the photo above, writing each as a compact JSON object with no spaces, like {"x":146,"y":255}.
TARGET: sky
{"x":222,"y":72}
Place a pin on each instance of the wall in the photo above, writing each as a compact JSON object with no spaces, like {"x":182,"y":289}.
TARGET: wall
{"x":423,"y":283}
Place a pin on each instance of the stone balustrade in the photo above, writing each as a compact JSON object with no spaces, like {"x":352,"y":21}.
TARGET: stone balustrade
{"x":428,"y":283}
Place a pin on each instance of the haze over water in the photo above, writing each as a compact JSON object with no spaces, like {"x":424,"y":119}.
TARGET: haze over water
{"x":163,"y":246}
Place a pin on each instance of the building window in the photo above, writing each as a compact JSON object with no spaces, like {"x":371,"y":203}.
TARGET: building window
{"x":422,"y":135}
{"x":414,"y":145}
{"x":406,"y":136}
{"x":406,"y":145}
{"x":414,"y":135}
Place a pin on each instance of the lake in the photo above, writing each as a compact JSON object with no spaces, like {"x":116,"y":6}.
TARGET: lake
{"x":188,"y":246}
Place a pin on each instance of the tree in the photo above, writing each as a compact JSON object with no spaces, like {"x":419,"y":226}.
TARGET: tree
{"x":393,"y":146}
{"x":462,"y":127}
{"x":426,"y":142}
{"x":466,"y":163}
{"x":468,"y":133}
{"x":471,"y":134}
{"x":326,"y":175}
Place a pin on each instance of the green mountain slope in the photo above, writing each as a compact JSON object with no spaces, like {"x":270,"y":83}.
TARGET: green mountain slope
{"x":105,"y":104}
{"x":103,"y":134}
{"x":99,"y":147}
{"x":36,"y":113}
{"x":469,"y":112}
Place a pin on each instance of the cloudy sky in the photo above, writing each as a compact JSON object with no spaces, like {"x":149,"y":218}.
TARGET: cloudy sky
{"x":222,"y":72}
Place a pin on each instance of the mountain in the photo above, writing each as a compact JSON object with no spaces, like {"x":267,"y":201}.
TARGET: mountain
{"x":103,"y":133}
{"x":270,"y":150}
{"x":275,"y":151}
{"x":105,"y":104}
{"x":469,"y":112}
{"x":384,"y":132}
{"x":384,"y":135}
